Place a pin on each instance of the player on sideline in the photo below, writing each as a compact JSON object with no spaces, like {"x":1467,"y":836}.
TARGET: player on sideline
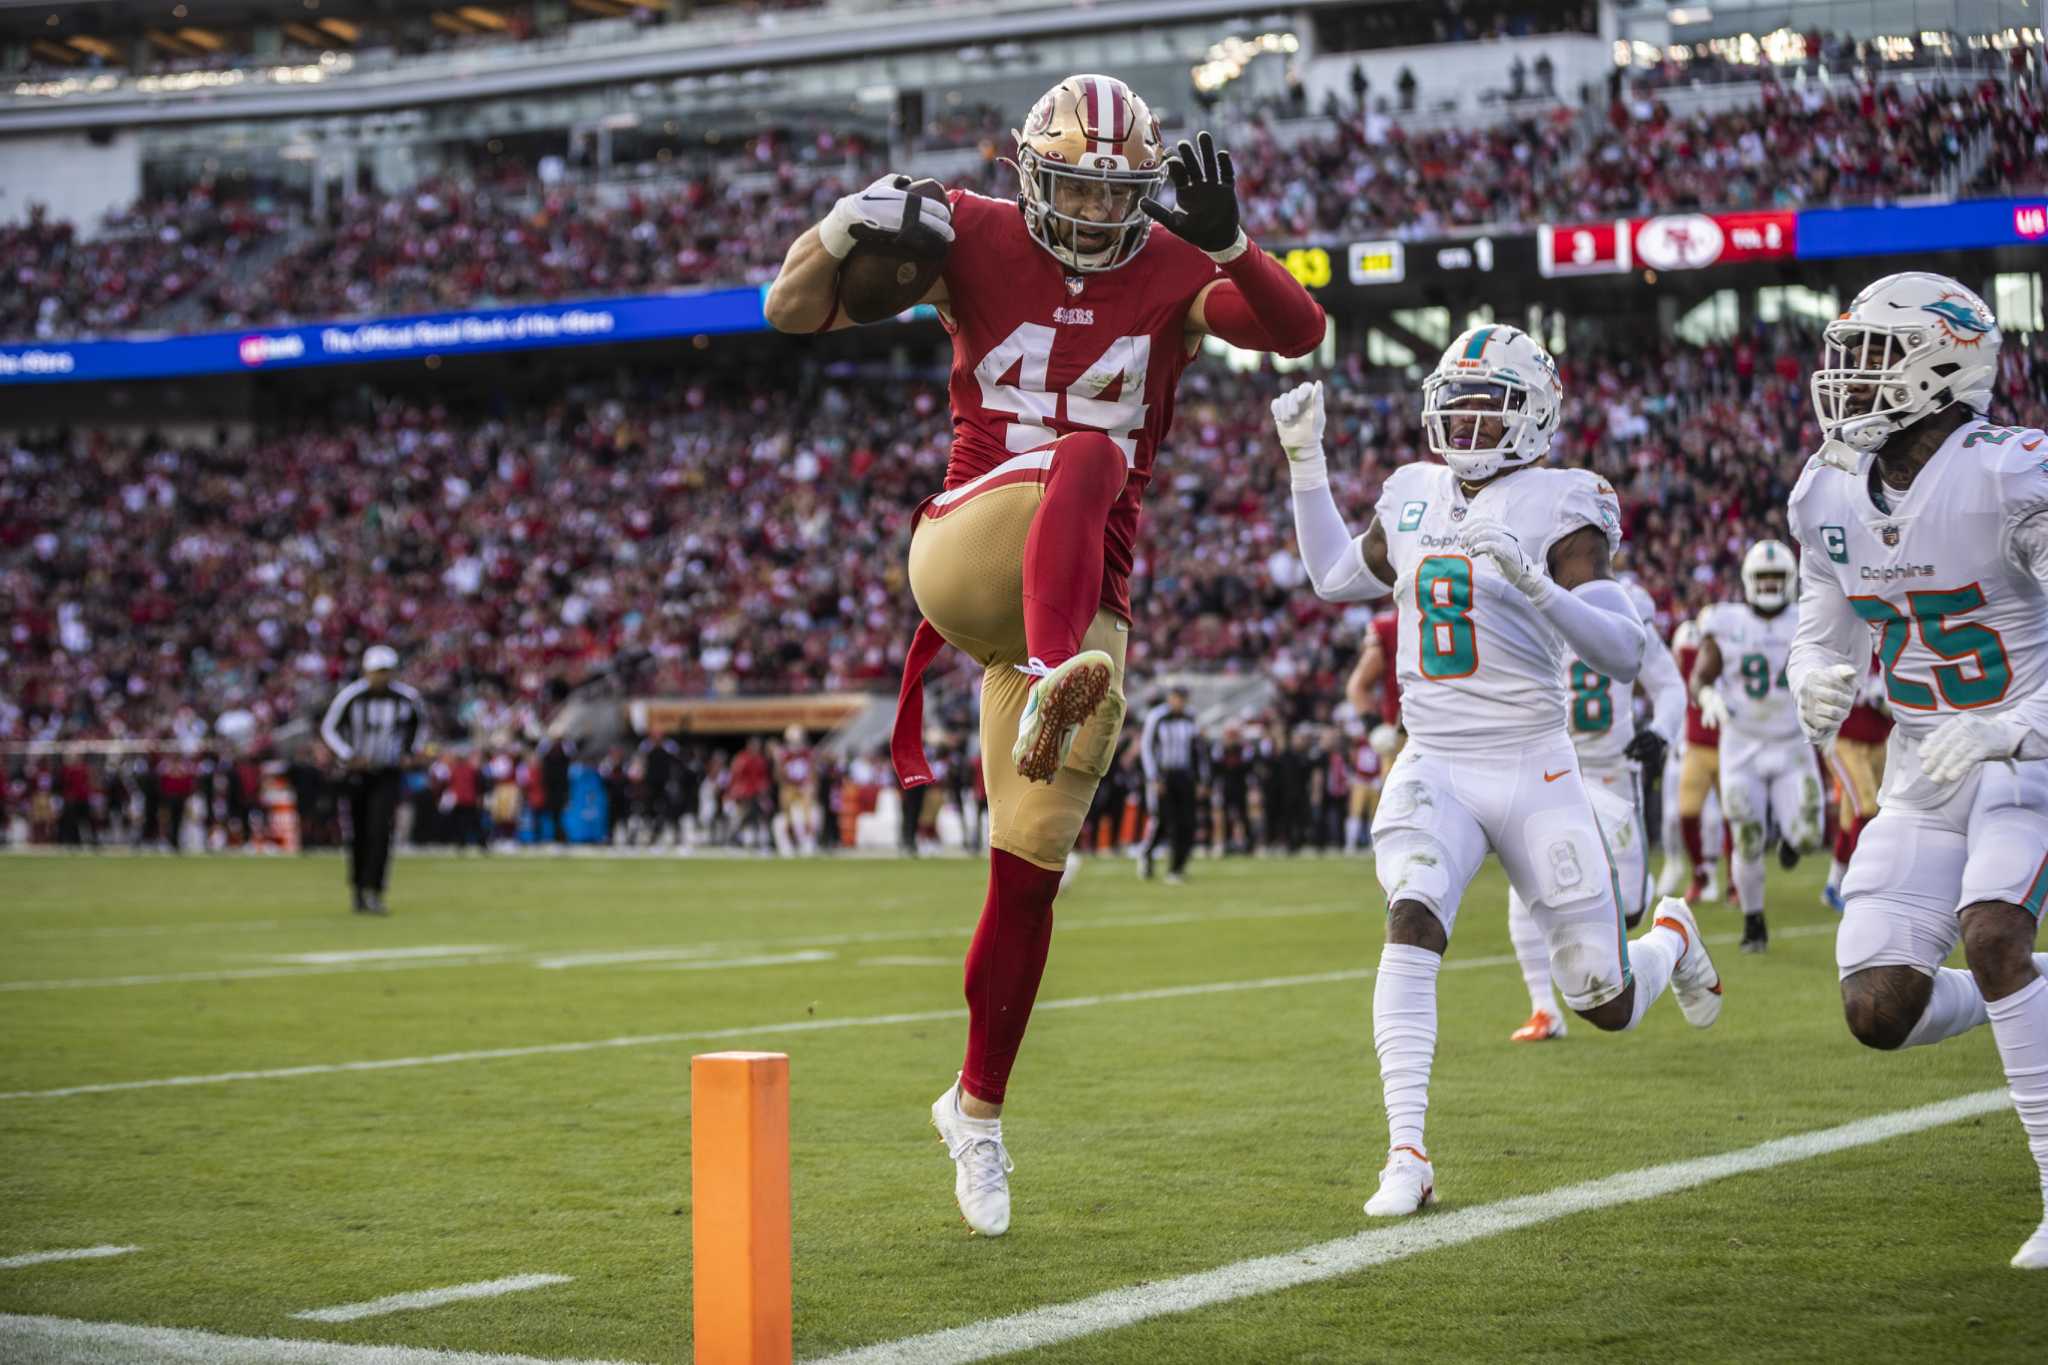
{"x":1613,"y":754}
{"x":1693,"y":834}
{"x":1500,"y":572}
{"x":1925,"y":530}
{"x":1767,"y":769}
{"x":1071,"y":322}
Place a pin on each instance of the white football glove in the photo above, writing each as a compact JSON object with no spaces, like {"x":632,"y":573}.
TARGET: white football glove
{"x":1825,"y":696}
{"x":1713,"y":708}
{"x":1489,"y":539}
{"x":885,"y":211}
{"x":1298,"y":414}
{"x":1960,"y":743}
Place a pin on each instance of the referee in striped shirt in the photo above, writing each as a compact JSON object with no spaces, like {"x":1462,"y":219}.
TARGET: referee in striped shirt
{"x":1171,"y":751}
{"x":374,"y":726}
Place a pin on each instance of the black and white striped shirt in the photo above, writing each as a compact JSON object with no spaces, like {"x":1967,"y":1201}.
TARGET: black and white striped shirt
{"x":1169,"y":743}
{"x":380,"y":728}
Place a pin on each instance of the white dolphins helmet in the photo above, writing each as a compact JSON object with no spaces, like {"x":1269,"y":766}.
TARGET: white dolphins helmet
{"x":1911,"y":344}
{"x":1767,"y":575}
{"x":1492,"y":371}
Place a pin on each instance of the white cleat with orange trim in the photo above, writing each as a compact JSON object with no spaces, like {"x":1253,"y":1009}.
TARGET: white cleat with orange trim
{"x":1541,"y":1028}
{"x":982,"y":1165}
{"x":1407,"y":1183}
{"x":1694,"y":980}
{"x":2034,"y":1254}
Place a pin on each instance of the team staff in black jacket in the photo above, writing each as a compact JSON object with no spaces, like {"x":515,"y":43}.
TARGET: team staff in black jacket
{"x":375,"y":726}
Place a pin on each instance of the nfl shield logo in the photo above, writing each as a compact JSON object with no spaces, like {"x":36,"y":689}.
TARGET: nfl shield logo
{"x":1075,"y":284}
{"x":1457,"y":514}
{"x":1889,"y":534}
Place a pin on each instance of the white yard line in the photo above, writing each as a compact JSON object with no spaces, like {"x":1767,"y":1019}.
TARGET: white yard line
{"x":354,"y":955}
{"x":561,"y":959}
{"x":65,"y":1341}
{"x":74,"y":1254}
{"x":909,"y":960}
{"x":1054,"y":1323}
{"x":431,"y":1298}
{"x":717,"y":964}
{"x":709,"y":1035}
{"x":752,"y":1030}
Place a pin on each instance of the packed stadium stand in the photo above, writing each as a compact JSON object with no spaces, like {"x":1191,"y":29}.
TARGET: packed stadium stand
{"x":195,"y":554}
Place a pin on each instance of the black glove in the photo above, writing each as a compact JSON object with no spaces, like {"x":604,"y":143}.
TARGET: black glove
{"x":1205,"y":197}
{"x":1647,"y":748}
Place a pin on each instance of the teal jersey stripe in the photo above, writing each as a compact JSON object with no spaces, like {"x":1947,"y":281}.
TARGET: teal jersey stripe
{"x":2037,"y":892}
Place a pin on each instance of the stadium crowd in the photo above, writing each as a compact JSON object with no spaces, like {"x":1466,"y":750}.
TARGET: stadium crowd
{"x":510,"y":234}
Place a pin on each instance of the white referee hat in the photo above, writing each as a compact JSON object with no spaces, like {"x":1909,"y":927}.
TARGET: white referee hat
{"x":378,"y":658}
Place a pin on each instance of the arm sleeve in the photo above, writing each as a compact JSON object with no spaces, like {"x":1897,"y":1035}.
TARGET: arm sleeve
{"x":330,"y":726}
{"x":1334,"y":559}
{"x":1148,"y":744}
{"x":1660,"y":678}
{"x":1829,"y":632}
{"x":1260,"y":307}
{"x":1599,"y":623}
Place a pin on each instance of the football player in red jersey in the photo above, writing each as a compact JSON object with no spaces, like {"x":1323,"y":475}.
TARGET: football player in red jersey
{"x":1072,"y":320}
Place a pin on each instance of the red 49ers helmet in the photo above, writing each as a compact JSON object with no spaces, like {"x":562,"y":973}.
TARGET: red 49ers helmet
{"x":1088,"y":153}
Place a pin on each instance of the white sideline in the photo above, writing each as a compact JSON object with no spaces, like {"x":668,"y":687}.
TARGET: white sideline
{"x":1105,"y":1312}
{"x":75,"y":1254}
{"x":67,"y":1341}
{"x":335,"y":959}
{"x":431,"y":1298}
{"x":557,"y":960}
{"x":791,"y":1026}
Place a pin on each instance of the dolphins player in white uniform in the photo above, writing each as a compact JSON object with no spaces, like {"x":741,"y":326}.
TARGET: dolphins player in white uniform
{"x":1768,"y":770}
{"x":1500,"y":572}
{"x":1613,"y":755}
{"x":1926,"y":534}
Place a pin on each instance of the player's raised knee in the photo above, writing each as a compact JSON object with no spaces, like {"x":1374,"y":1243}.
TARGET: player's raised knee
{"x":1091,"y":458}
{"x":1414,"y":924}
{"x":1881,"y":1005}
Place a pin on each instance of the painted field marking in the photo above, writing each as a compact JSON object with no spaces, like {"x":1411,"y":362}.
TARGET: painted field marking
{"x":431,"y":1298}
{"x":563,"y":959}
{"x":760,"y":1030}
{"x":119,"y":1343}
{"x":715,"y":964}
{"x":709,"y":1035}
{"x":74,"y":1254}
{"x":158,"y":930}
{"x":1054,"y":1323}
{"x":329,"y":959}
{"x":909,"y":960}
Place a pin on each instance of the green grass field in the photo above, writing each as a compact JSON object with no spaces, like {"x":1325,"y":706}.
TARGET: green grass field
{"x":1154,"y":1137}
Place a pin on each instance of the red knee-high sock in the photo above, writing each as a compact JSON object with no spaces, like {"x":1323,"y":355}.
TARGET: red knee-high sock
{"x":1004,"y":964}
{"x":1689,"y":831}
{"x":1063,"y":553}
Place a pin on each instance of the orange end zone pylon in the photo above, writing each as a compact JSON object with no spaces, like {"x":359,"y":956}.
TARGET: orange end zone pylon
{"x":739,"y":1208}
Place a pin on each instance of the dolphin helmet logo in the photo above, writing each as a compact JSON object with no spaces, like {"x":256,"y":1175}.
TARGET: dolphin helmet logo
{"x":1965,"y":326}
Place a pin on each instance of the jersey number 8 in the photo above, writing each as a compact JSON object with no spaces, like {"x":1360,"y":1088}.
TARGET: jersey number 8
{"x":1443,"y":594}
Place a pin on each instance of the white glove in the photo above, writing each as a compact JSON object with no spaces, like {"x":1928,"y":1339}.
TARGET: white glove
{"x":1494,"y":541}
{"x":1960,"y":743}
{"x":1298,"y":414}
{"x":1713,"y":708}
{"x":885,"y":211}
{"x":1825,"y":696}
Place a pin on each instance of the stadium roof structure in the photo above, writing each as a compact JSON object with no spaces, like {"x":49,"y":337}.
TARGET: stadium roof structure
{"x":355,"y":84}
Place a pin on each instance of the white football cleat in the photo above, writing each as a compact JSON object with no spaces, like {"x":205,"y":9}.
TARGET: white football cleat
{"x":1407,"y":1183}
{"x":981,"y":1175}
{"x":1059,"y":704}
{"x":1541,"y":1028}
{"x":2033,"y":1255}
{"x":1694,"y":980}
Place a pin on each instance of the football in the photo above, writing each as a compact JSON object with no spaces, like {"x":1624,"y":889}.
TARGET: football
{"x":879,"y":280}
